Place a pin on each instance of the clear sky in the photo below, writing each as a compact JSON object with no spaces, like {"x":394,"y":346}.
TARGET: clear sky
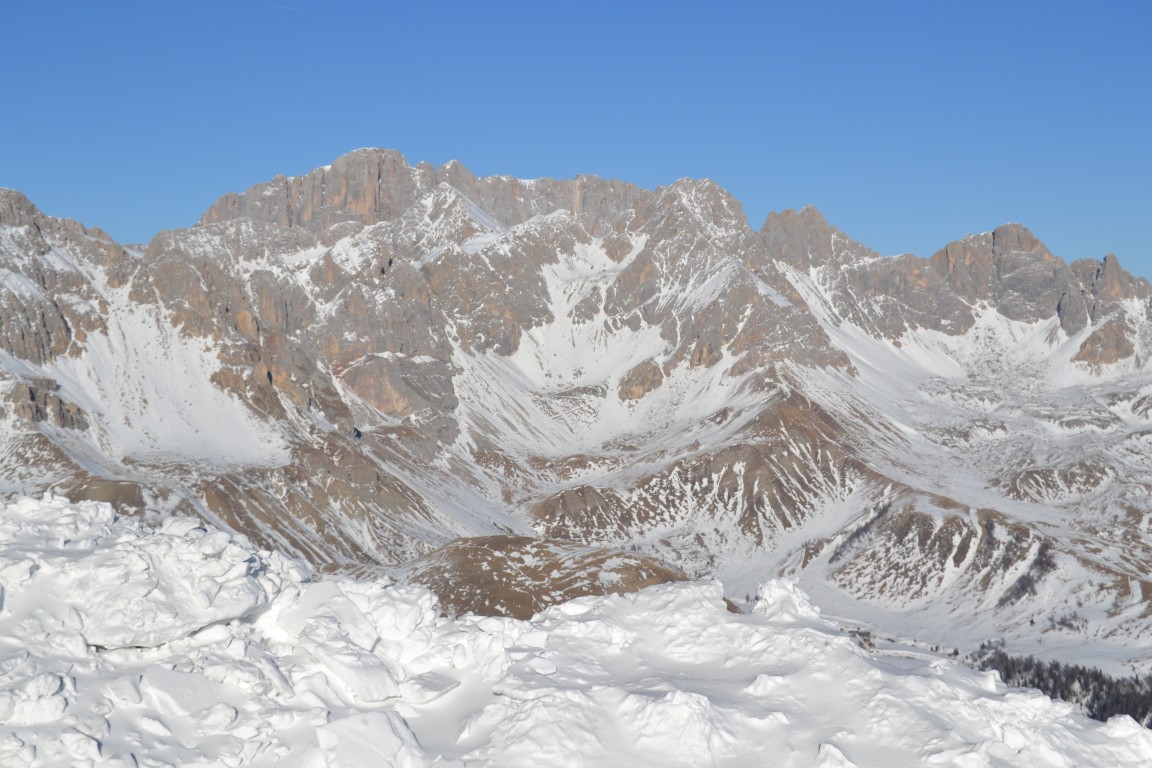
{"x":907,"y":124}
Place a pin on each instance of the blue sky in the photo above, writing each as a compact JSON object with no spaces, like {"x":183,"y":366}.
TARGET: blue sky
{"x":907,"y":124}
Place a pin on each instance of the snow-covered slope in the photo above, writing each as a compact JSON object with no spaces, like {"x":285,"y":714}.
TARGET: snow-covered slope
{"x":365,"y":364}
{"x":1030,"y":485}
{"x":128,"y":645}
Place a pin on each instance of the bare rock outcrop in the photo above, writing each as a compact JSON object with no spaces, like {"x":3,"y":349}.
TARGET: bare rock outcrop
{"x":367,"y":186}
{"x":518,"y":576}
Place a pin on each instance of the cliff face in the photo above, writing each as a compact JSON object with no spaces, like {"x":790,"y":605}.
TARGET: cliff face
{"x":373,"y":185}
{"x":364,"y":363}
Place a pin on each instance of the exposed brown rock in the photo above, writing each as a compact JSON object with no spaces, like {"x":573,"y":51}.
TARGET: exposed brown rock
{"x":642,"y":379}
{"x":371,"y":185}
{"x":1108,"y":344}
{"x":16,"y":210}
{"x":519,"y":577}
{"x":905,"y":554}
{"x":400,"y":385}
{"x":1048,"y":484}
{"x":39,"y":401}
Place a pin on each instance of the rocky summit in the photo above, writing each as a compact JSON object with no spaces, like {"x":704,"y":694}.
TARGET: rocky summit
{"x":518,"y":391}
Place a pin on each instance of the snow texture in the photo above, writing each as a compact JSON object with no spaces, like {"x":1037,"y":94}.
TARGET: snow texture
{"x":152,"y":388}
{"x":125,"y":645}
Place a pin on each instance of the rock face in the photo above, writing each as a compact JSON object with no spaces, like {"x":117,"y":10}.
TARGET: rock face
{"x":365,"y":363}
{"x":372,"y":185}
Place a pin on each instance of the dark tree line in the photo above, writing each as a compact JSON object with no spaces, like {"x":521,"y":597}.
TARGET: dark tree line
{"x":1101,"y":696}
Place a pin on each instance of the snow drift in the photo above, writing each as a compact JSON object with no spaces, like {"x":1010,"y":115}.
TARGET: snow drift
{"x":127,"y":645}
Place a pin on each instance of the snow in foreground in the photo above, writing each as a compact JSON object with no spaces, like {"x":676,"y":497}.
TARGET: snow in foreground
{"x":122,"y":645}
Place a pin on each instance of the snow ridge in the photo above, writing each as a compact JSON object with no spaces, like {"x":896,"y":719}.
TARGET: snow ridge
{"x":124,"y":645}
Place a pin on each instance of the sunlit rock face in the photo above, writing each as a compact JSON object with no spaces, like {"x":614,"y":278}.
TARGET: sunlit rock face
{"x":365,"y":363}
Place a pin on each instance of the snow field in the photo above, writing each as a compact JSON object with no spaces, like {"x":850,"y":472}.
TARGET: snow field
{"x":124,"y":645}
{"x":152,"y":391}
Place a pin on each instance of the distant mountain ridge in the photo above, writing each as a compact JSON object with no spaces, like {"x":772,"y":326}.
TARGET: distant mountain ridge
{"x":367,"y":362}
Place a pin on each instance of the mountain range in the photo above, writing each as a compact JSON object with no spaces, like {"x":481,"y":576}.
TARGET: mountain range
{"x":519,"y":391}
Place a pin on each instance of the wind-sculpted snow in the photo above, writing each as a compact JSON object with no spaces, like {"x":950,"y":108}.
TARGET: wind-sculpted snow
{"x":125,"y":585}
{"x":251,"y":662}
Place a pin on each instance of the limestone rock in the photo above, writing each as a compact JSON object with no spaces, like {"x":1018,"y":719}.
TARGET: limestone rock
{"x":367,"y":186}
{"x":642,"y":379}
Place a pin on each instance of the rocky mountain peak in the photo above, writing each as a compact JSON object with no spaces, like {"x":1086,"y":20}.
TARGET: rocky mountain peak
{"x":1016,"y":238}
{"x":368,"y":186}
{"x":807,"y":219}
{"x":455,"y":174}
{"x":1012,"y":271}
{"x":799,"y":238}
{"x":804,"y":239}
{"x":363,"y":187}
{"x":1111,"y":282}
{"x":16,"y":210}
{"x":994,"y":254}
{"x":1104,"y":286}
{"x":701,"y":204}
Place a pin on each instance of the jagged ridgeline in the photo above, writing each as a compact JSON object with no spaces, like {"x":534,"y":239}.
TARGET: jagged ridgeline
{"x":367,"y":363}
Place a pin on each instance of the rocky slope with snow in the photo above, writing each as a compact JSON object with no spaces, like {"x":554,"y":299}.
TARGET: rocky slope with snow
{"x":365,"y":364}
